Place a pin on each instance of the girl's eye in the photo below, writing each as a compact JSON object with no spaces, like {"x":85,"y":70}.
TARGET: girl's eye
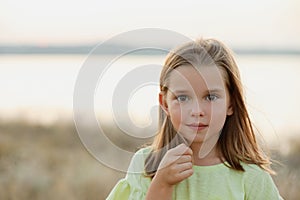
{"x":211,"y":97}
{"x":182,"y":98}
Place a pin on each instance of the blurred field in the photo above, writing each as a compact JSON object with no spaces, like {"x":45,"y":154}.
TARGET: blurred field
{"x":49,"y":162}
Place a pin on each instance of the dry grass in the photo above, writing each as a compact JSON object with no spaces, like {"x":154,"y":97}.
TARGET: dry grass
{"x":49,"y":162}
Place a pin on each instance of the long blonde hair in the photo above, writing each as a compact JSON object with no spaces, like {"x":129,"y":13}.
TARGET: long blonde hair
{"x":237,"y":141}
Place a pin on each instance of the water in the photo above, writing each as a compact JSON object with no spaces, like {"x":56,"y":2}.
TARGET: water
{"x":37,"y":87}
{"x":40,"y":88}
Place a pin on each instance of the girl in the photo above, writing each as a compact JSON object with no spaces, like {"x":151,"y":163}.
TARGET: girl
{"x":205,"y":147}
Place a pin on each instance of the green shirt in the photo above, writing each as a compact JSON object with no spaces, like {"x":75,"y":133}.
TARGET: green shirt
{"x":207,"y":182}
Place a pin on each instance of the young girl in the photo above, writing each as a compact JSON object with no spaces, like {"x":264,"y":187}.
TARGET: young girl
{"x":205,"y":147}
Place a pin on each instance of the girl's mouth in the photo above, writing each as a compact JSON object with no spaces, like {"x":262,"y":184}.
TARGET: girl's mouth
{"x":197,"y":126}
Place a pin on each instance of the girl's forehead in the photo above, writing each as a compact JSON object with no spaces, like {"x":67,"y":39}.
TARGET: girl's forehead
{"x":205,"y":77}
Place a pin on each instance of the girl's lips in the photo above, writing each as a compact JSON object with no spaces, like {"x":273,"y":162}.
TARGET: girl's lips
{"x":197,"y":127}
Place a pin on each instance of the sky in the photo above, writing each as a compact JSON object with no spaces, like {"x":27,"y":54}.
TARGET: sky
{"x":265,"y":23}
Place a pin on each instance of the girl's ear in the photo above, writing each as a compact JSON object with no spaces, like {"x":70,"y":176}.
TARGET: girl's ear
{"x":229,"y":110}
{"x":162,"y":102}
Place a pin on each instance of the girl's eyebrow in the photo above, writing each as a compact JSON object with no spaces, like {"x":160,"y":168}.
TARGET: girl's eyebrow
{"x":215,"y":90}
{"x":179,"y":91}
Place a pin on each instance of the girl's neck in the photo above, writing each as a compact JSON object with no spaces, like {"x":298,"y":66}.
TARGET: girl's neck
{"x":213,"y":157}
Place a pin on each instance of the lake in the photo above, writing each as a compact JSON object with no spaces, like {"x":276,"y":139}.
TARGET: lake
{"x":39,"y":88}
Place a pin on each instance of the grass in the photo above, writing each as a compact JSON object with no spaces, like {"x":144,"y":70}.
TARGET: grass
{"x":50,"y":162}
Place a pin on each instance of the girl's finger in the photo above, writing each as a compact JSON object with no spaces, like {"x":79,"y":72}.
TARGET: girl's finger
{"x":184,"y":159}
{"x":185,"y":174}
{"x":182,"y":149}
{"x":184,"y":166}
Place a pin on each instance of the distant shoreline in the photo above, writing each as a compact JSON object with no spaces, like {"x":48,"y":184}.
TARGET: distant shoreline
{"x":117,"y":49}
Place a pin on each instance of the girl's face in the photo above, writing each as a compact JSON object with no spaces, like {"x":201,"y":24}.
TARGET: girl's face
{"x":197,"y":103}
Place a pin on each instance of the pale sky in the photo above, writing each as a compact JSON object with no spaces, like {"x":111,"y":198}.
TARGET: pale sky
{"x":270,"y":23}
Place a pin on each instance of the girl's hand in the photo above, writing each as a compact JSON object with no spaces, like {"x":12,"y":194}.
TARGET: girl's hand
{"x":175,"y":166}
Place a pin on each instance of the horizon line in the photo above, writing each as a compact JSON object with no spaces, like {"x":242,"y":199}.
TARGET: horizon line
{"x":117,"y":48}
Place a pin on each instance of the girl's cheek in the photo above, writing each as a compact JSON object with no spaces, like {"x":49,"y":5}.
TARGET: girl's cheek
{"x":218,"y":114}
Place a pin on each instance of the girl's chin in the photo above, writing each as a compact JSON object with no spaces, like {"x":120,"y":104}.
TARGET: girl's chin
{"x":196,"y":139}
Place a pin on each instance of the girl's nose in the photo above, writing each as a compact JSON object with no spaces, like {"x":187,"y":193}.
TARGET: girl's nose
{"x":197,"y":109}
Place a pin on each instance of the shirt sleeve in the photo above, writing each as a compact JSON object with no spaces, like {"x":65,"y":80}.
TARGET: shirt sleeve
{"x":261,"y":186}
{"x":135,"y":185}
